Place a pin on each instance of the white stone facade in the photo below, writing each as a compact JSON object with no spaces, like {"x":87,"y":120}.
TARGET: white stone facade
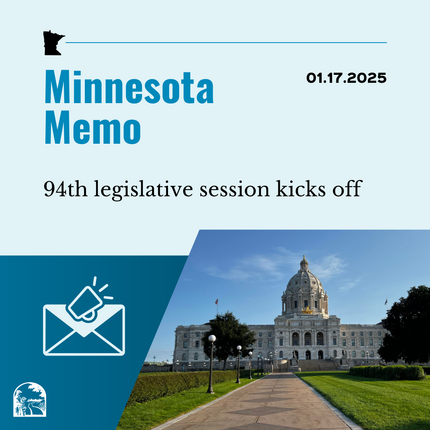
{"x":304,"y":329}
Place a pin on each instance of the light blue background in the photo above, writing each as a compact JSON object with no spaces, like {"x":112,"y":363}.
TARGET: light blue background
{"x":266,"y":123}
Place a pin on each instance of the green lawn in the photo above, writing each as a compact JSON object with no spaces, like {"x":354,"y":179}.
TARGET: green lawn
{"x":143,"y":416}
{"x":375,"y":404}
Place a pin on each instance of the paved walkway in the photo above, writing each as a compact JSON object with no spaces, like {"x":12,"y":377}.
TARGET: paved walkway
{"x":277,"y":402}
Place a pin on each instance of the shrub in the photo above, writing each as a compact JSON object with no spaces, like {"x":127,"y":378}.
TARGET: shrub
{"x":414,"y":373}
{"x":153,"y":386}
{"x":389,"y":373}
{"x":357,"y":371}
{"x":376,"y":371}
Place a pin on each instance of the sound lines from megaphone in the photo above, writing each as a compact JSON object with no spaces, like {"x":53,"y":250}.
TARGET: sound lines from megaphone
{"x":102,"y":288}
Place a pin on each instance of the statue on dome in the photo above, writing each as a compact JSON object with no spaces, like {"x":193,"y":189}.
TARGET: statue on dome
{"x":307,"y":310}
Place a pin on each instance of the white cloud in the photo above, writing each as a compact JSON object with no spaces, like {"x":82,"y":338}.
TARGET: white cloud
{"x":276,"y":266}
{"x":256,"y":267}
{"x":329,"y":266}
{"x":348,"y":285}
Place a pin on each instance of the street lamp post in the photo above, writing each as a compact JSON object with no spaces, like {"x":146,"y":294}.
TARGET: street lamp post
{"x":177,"y":365}
{"x":212,"y":339}
{"x":189,"y":366}
{"x":238,"y":364}
{"x":250,"y":357}
{"x":367,"y":355}
{"x":258,"y":363}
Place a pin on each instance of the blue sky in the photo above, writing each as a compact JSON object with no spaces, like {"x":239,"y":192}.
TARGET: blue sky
{"x":249,"y":270}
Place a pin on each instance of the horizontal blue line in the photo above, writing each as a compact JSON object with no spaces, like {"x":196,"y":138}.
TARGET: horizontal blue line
{"x":228,"y":42}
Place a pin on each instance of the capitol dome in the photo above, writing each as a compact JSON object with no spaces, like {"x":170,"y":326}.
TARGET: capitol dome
{"x":304,"y":280}
{"x":304,"y":294}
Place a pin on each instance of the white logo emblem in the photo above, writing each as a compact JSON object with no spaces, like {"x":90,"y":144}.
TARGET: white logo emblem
{"x":29,"y":400}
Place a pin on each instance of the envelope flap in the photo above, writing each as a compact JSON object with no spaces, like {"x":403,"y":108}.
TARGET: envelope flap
{"x":81,"y":327}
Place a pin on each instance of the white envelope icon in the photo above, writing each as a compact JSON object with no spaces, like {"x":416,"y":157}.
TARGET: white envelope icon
{"x":63,"y":336}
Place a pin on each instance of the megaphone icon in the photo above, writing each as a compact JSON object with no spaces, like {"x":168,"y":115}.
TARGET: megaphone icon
{"x":84,"y":306}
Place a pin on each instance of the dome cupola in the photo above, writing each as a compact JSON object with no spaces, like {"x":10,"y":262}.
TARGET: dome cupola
{"x":304,"y":265}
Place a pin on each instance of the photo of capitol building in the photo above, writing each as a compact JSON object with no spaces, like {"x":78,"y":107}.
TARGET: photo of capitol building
{"x":304,"y":330}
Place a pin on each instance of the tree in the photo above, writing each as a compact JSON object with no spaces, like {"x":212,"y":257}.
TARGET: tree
{"x":229,"y":334}
{"x":408,"y":324}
